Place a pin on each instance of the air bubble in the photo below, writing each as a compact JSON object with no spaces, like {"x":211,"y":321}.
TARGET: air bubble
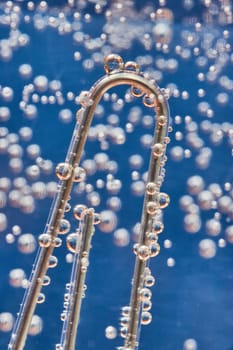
{"x":46,"y":280}
{"x":171,"y":262}
{"x":51,"y":188}
{"x":146,"y":141}
{"x":152,"y":237}
{"x":123,"y":332}
{"x":110,"y":332}
{"x":32,"y":172}
{"x":154,"y":249}
{"x":225,"y":204}
{"x":158,"y":150}
{"x":14,"y":198}
{"x":145,"y":294}
{"x":164,"y":200}
{"x":96,"y":219}
{"x":5,"y":114}
{"x":89,"y":166}
{"x":149,"y":281}
{"x":136,"y":161}
{"x":151,"y":188}
{"x":93,"y":199}
{"x":192,"y":223}
{"x":25,"y":133}
{"x":158,"y":227}
{"x":3,"y":222}
{"x":63,"y":171}
{"x":27,"y":204}
{"x":207,"y":248}
{"x":33,"y":151}
{"x":190,"y":344}
{"x":195,"y":184}
{"x":149,"y":101}
{"x":25,"y":71}
{"x":30,"y":111}
{"x":65,"y":115}
{"x":114,"y":203}
{"x":15,"y":151}
{"x":5,"y":184}
{"x":41,"y":83}
{"x":146,"y":318}
{"x":132,"y":67}
{"x":162,"y":120}
{"x":152,"y":207}
{"x":177,"y":153}
{"x":136,"y":92}
{"x":73,"y":241}
{"x":213,"y":227}
{"x":78,"y":211}
{"x":16,"y":230}
{"x":79,"y":174}
{"x":44,"y":240}
{"x":113,"y":63}
{"x":41,"y":298}
{"x":39,"y":190}
{"x":229,"y":234}
{"x":101,"y":159}
{"x":7,"y":93}
{"x":108,"y":221}
{"x":57,"y":242}
{"x":124,"y":321}
{"x":15,"y":165}
{"x":84,"y":99}
{"x":121,"y":237}
{"x":55,"y":85}
{"x":36,"y":325}
{"x":205,"y":200}
{"x":52,"y":261}
{"x":125,"y":311}
{"x":6,"y":321}
{"x":64,"y":227}
{"x":167,"y":243}
{"x":16,"y":277}
{"x":138,"y":188}
{"x":26,"y":243}
{"x":147,"y":305}
{"x":3,"y":145}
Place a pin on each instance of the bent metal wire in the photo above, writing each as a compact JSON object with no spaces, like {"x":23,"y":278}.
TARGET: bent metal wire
{"x":117,"y":73}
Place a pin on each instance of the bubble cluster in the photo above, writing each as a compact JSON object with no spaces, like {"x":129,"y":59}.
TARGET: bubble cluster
{"x":210,"y":198}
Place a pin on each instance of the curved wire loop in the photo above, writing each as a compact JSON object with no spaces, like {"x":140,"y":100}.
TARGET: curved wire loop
{"x":117,"y":73}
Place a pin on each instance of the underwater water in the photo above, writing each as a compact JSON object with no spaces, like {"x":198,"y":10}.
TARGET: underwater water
{"x":52,"y":51}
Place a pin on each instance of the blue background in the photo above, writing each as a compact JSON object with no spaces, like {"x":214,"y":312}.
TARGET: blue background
{"x":193,"y":299}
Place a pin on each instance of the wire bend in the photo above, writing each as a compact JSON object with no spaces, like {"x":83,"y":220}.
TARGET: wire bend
{"x":117,"y":73}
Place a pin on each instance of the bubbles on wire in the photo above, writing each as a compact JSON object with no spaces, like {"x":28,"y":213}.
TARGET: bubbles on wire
{"x":162,"y":36}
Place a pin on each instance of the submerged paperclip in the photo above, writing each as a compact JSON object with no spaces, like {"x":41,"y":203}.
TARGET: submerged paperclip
{"x":69,"y":172}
